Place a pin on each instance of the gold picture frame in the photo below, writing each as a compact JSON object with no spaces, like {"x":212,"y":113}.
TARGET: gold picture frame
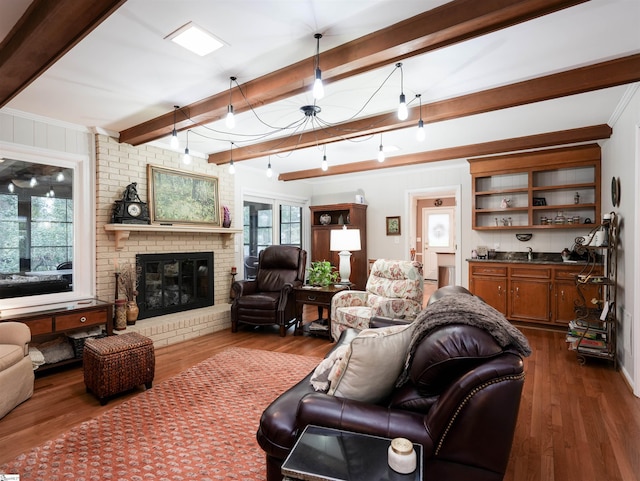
{"x":182,"y":198}
{"x":393,"y":225}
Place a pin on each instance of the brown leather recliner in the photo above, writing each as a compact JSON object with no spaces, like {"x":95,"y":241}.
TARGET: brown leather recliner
{"x":269,"y":299}
{"x":464,"y":414}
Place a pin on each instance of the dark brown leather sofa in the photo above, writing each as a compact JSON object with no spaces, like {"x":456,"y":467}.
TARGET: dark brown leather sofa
{"x":269,"y":298}
{"x":464,"y":415}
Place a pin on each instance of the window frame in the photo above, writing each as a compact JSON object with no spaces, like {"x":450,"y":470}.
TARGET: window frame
{"x":84,"y":225}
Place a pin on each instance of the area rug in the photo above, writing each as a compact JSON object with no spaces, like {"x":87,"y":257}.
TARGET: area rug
{"x":199,"y":425}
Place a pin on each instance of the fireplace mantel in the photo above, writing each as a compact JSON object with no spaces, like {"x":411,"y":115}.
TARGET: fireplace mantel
{"x":121,"y":231}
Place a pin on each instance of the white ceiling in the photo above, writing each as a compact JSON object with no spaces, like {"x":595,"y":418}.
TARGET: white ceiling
{"x":125,"y":72}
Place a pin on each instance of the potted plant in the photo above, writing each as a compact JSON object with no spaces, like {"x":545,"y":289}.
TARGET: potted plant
{"x":321,"y":273}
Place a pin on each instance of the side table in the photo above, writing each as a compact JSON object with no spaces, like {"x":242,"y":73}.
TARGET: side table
{"x":316,"y":296}
{"x":326,"y":454}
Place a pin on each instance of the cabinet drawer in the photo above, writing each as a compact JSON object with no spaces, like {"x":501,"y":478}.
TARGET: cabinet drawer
{"x":488,"y":271}
{"x":81,"y":319}
{"x":530,"y":272}
{"x":40,"y":325}
{"x":570,"y":274}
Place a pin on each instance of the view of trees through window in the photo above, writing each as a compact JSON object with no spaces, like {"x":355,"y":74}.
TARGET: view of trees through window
{"x":36,"y":221}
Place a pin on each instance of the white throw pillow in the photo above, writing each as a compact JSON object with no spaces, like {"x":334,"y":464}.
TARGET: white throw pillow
{"x":372,"y":364}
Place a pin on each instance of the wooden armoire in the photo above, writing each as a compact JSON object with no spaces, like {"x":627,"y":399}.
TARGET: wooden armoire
{"x":354,"y":216}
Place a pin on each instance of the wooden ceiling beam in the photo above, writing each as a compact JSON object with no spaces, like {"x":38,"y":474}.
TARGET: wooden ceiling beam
{"x":451,"y":23}
{"x":563,"y":137}
{"x":47,"y":30}
{"x":571,"y":82}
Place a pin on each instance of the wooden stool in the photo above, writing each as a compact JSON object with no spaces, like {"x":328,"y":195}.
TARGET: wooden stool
{"x":115,"y":364}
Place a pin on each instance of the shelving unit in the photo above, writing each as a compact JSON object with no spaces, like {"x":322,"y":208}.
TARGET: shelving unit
{"x":593,"y":332}
{"x":537,"y":190}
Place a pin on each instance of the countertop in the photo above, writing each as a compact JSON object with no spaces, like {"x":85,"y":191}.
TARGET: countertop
{"x":548,"y":258}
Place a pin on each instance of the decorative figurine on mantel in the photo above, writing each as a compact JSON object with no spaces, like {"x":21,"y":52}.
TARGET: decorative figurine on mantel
{"x":130,"y":209}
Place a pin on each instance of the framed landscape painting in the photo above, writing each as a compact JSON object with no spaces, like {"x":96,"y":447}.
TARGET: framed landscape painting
{"x":180,"y":197}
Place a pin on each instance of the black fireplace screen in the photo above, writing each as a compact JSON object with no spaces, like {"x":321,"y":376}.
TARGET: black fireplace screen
{"x":174,"y":282}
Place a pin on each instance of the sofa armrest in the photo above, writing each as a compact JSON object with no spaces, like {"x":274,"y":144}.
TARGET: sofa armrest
{"x":348,"y":298}
{"x":382,"y":321}
{"x":335,"y":412}
{"x":15,"y":333}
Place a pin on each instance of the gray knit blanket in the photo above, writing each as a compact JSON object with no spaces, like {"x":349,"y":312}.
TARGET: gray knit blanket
{"x":468,"y":310}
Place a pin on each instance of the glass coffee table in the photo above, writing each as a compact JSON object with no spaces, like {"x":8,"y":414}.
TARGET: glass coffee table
{"x":326,"y":454}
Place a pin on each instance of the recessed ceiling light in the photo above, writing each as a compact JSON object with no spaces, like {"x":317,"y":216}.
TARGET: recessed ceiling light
{"x":196,"y":39}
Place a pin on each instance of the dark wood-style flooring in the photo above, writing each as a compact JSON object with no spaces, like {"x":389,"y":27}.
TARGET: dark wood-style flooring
{"x":576,"y":422}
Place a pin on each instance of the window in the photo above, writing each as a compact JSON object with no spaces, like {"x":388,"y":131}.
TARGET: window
{"x":267,"y":222}
{"x":45,"y":206}
{"x":291,"y":225}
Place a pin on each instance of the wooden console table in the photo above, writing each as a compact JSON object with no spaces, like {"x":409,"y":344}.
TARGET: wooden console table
{"x":65,"y":317}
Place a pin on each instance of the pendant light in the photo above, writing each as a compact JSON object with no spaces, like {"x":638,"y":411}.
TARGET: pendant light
{"x":231,"y":119}
{"x":420,"y":133}
{"x":381,"y":151}
{"x":269,"y":170}
{"x":232,"y":168}
{"x":11,"y":187}
{"x":325,"y":164}
{"x":186,"y":158}
{"x":51,"y":193}
{"x":318,"y":88}
{"x":175,"y":143}
{"x":403,"y":112}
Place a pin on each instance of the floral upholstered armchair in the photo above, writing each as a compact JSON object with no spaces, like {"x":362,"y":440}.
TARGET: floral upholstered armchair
{"x":394,"y":289}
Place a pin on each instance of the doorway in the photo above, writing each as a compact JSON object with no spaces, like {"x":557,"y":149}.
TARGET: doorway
{"x":434,"y":231}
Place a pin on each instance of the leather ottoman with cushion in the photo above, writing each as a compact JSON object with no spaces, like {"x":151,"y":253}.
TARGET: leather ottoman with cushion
{"x":115,"y":364}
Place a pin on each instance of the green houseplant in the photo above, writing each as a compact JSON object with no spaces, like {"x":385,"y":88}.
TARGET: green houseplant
{"x":321,"y":273}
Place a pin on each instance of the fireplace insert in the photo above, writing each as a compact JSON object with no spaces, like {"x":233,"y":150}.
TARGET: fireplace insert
{"x":174,"y":282}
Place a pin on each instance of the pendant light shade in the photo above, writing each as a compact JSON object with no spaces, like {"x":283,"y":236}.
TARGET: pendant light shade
{"x":420,"y":133}
{"x":232,"y":168}
{"x":318,"y":88}
{"x":175,"y":143}
{"x":186,"y":158}
{"x":269,"y":170}
{"x":381,"y":151}
{"x":231,"y":119}
{"x":403,"y":112}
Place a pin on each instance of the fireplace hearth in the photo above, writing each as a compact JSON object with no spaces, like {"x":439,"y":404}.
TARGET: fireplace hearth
{"x":174,"y":282}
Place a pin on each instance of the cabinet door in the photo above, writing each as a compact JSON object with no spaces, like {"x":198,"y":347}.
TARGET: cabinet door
{"x":492,"y":290}
{"x":567,"y":298}
{"x":530,"y":300}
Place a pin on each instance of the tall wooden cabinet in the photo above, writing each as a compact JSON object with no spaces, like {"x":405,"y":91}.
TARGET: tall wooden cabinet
{"x":325,"y":218}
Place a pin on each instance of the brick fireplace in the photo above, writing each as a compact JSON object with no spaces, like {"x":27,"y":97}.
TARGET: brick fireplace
{"x":117,"y":165}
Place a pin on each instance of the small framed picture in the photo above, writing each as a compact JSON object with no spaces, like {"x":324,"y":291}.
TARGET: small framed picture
{"x":539,"y":201}
{"x":393,"y":225}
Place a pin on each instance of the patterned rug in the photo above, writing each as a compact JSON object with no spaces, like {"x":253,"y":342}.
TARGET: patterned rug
{"x":199,"y":425}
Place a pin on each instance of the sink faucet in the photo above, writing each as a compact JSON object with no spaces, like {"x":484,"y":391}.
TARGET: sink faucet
{"x":530,"y":254}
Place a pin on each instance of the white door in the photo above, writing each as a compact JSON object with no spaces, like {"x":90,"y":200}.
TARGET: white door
{"x":438,"y":232}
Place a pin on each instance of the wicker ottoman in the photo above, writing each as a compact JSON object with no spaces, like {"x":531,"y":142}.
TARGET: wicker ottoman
{"x":115,"y":364}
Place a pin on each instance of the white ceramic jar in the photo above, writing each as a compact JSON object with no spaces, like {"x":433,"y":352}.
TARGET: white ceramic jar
{"x":402,"y":456}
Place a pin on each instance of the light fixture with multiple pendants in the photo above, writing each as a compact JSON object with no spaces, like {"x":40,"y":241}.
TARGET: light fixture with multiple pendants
{"x":310,"y":115}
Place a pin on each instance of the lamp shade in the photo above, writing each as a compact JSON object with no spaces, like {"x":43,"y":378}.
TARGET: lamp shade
{"x":345,"y":240}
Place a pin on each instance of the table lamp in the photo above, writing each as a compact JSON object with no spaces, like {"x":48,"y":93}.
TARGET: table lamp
{"x":345,"y":240}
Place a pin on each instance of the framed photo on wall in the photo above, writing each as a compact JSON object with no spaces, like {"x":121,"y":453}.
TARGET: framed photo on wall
{"x":180,"y":197}
{"x":393,"y":225}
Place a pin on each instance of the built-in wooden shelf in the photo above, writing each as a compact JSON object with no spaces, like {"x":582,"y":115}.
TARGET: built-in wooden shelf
{"x":122,"y":231}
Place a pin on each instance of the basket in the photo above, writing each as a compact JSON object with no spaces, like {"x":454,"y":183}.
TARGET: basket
{"x":78,"y":344}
